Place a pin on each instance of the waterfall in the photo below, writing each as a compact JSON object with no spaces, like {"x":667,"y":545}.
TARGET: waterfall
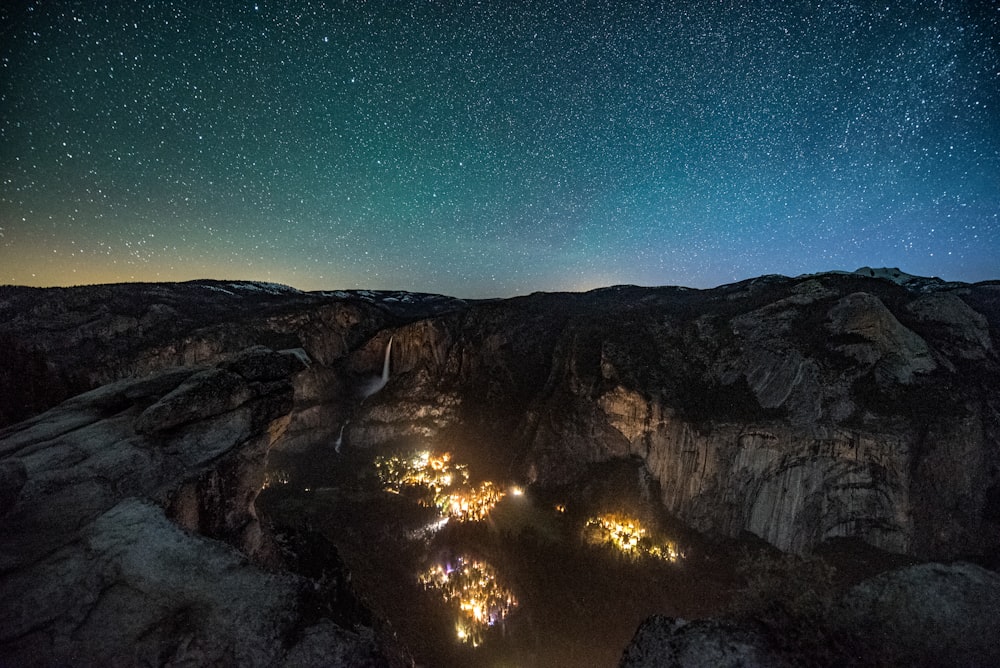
{"x":375,"y":384}
{"x":385,"y":364}
{"x":340,"y":439}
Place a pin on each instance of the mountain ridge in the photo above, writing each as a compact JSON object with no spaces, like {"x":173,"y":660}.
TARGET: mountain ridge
{"x":893,"y":274}
{"x":833,"y":358}
{"x":801,"y":410}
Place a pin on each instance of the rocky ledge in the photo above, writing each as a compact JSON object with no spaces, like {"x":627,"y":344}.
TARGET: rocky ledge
{"x":797,"y":409}
{"x":927,"y":615}
{"x":128,"y":533}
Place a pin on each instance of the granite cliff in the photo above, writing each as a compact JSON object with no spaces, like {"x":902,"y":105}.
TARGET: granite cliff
{"x":129,"y":534}
{"x":798,"y":409}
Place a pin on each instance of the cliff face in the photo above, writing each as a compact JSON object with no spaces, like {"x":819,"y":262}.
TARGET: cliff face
{"x":92,"y":569}
{"x":796,"y":409}
{"x":62,"y":341}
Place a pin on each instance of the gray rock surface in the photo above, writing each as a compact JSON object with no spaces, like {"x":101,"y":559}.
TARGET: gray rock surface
{"x":927,"y":615}
{"x":663,"y":642}
{"x":798,"y":409}
{"x":13,"y":475}
{"x":92,"y":569}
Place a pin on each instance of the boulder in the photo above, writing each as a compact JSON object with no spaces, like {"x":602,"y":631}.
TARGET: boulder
{"x":929,"y":615}
{"x":92,"y":569}
{"x":663,"y":642}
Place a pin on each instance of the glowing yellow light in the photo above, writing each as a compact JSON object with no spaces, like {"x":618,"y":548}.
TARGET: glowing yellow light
{"x":560,"y":507}
{"x":469,"y":504}
{"x":472,"y":587}
{"x":516,"y":491}
{"x":630,"y":537}
{"x":420,"y":471}
{"x":438,"y":482}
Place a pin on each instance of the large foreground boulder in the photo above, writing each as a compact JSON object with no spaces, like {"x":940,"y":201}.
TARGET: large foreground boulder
{"x":663,"y":642}
{"x":927,"y":615}
{"x":103,"y":500}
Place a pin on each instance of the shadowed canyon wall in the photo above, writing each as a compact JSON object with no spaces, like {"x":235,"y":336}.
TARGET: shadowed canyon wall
{"x":129,"y":533}
{"x":796,"y":409}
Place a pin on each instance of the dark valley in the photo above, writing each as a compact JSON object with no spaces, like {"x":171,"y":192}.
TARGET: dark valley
{"x":782,"y":471}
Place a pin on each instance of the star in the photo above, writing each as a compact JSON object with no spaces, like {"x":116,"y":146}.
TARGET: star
{"x":649,"y":143}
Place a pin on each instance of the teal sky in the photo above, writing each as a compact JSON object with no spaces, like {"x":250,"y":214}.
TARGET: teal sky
{"x":497,"y":148}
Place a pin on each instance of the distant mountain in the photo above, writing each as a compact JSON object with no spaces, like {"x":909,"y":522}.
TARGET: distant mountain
{"x":857,"y":405}
{"x":873,"y":380}
{"x":894,"y":274}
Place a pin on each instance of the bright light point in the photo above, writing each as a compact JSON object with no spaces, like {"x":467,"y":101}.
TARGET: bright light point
{"x":516,"y":491}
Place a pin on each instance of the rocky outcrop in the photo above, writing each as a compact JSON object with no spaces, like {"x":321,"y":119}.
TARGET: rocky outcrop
{"x":129,"y":534}
{"x":927,"y":615}
{"x":796,"y":409}
{"x":883,"y":341}
{"x":663,"y":642}
{"x":61,"y":341}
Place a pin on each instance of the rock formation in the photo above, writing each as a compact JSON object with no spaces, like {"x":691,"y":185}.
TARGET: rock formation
{"x":799,"y":409}
{"x":129,"y":536}
{"x":928,"y":615}
{"x":796,"y":409}
{"x":662,"y":642}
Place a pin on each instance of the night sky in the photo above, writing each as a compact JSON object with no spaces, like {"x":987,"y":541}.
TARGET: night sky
{"x":491,"y":149}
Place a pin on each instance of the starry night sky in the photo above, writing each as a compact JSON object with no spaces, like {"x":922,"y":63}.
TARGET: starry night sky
{"x":497,"y":148}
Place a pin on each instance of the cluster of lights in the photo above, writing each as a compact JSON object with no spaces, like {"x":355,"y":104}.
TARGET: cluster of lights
{"x":471,"y":504}
{"x":472,"y":587}
{"x":629,"y":536}
{"x":422,"y":470}
{"x":275,"y":478}
{"x":439,"y":483}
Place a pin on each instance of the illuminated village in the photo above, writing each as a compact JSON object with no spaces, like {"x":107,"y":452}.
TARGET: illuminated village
{"x":467,"y":584}
{"x":472,"y":587}
{"x":630,"y":537}
{"x":419,"y":470}
{"x":439,"y":483}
